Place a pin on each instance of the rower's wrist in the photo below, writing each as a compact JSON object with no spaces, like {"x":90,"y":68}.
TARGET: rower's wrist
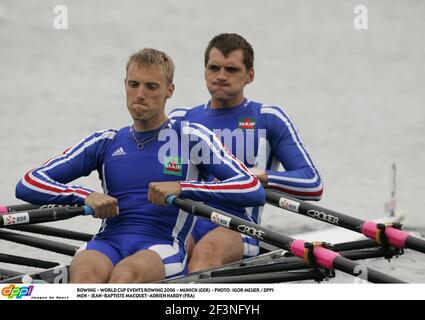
{"x":266,"y":179}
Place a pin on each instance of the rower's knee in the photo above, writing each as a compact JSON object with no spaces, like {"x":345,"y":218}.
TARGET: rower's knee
{"x":203,"y":258}
{"x":124,"y":275}
{"x":206,"y":251}
{"x":211,"y":254}
{"x":89,"y":266}
{"x":142,"y":267}
{"x":86,"y":274}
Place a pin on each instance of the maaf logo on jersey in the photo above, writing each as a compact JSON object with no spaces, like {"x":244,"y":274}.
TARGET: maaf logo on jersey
{"x":173,"y":166}
{"x":247,"y":123}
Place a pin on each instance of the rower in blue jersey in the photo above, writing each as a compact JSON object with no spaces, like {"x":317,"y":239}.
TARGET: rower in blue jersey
{"x":141,"y":239}
{"x":262,"y":136}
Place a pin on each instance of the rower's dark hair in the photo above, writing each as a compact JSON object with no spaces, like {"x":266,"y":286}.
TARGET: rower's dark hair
{"x":229,"y":42}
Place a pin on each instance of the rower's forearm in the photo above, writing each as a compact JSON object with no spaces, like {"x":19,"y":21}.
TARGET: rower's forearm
{"x":303,"y":184}
{"x":35,"y":191}
{"x":245,"y":193}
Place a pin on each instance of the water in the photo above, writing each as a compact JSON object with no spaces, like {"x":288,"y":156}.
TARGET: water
{"x":356,"y":96}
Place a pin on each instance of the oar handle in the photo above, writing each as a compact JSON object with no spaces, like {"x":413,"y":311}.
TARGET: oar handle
{"x":43,"y":215}
{"x":88,"y":211}
{"x":6,"y":210}
{"x":170,"y":199}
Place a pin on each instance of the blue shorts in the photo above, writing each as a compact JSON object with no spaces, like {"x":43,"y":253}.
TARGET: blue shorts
{"x":118,"y":247}
{"x":251,"y":246}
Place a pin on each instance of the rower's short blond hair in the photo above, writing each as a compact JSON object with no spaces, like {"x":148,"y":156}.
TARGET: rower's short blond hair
{"x":149,"y":56}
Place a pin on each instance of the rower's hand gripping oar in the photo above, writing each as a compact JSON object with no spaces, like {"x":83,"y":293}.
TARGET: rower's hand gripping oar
{"x":316,"y":255}
{"x":383,"y":234}
{"x":43,"y":215}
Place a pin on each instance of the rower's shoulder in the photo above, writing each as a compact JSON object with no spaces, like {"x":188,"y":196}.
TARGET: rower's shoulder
{"x":108,"y":132}
{"x":266,"y":108}
{"x":273,"y":112}
{"x":100,"y":138}
{"x":178,"y":113}
{"x":100,"y":135}
{"x":183,"y":113}
{"x":191,"y":128}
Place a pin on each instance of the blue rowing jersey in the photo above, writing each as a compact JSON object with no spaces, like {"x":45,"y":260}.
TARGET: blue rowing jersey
{"x":179,"y":152}
{"x":261,"y":136}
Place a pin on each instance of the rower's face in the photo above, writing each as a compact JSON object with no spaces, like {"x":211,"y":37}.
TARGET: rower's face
{"x":147,"y":90}
{"x":226,"y":77}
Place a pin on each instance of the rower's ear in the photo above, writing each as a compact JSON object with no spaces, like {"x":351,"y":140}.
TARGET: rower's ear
{"x":250,"y":76}
{"x":170,"y":90}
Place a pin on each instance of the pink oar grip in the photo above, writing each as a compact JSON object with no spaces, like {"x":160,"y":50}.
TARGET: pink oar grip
{"x":324,"y":257}
{"x":3,"y":209}
{"x":396,"y":238}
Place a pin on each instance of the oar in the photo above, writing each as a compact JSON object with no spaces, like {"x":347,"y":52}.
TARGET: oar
{"x":24,"y":261}
{"x":277,"y":261}
{"x":318,"y":255}
{"x":54,"y":275}
{"x":5,"y":274}
{"x":43,"y":215}
{"x":45,"y":244}
{"x":292,"y":263}
{"x":55,"y":232}
{"x":277,"y":277}
{"x":25,"y":207}
{"x":377,"y":231}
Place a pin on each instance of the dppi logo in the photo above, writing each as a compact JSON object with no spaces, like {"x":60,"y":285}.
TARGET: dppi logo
{"x":13,"y":291}
{"x":323,"y":216}
{"x":251,"y":231}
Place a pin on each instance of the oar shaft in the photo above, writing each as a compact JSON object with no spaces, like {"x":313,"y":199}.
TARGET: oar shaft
{"x":5,"y":274}
{"x":18,"y":207}
{"x":363,"y":272}
{"x":232,"y":222}
{"x":35,"y":242}
{"x":316,"y":212}
{"x":415,"y":244}
{"x":24,"y":261}
{"x":43,"y":215}
{"x":53,"y":275}
{"x":279,"y":277}
{"x":55,"y":232}
{"x":292,"y":263}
